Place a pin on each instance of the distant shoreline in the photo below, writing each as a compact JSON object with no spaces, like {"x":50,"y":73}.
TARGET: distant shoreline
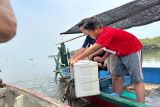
{"x":151,"y":44}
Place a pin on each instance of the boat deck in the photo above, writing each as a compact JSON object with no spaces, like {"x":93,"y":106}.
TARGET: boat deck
{"x":152,"y":86}
{"x":152,"y":94}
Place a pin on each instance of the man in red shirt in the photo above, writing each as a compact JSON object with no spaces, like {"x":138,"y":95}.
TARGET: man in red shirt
{"x":127,"y":49}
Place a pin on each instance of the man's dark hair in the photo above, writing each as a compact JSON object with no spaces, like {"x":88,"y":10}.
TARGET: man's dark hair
{"x":92,"y":23}
{"x":82,"y":22}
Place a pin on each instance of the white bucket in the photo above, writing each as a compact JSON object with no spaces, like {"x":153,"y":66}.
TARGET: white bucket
{"x":86,"y":78}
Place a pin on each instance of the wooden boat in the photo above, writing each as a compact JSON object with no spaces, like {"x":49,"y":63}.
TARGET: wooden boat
{"x":135,"y":13}
{"x":106,"y":99}
{"x":15,"y":96}
{"x":128,"y":99}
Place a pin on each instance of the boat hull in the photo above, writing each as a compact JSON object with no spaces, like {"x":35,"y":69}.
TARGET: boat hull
{"x":15,"y":96}
{"x":106,"y":100}
{"x":98,"y":102}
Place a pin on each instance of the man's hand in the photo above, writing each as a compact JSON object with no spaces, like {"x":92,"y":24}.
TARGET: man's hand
{"x":72,"y":61}
{"x":98,"y":59}
{"x":91,"y":57}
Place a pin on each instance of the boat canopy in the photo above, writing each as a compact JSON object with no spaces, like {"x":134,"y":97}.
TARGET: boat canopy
{"x":132,"y":14}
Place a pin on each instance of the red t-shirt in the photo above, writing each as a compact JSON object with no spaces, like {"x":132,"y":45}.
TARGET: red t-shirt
{"x":120,"y":41}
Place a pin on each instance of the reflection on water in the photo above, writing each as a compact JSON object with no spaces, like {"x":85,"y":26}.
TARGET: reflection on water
{"x":151,"y":59}
{"x":37,"y":74}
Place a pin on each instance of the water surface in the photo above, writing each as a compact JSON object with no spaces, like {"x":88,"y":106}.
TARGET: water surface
{"x":37,"y":74}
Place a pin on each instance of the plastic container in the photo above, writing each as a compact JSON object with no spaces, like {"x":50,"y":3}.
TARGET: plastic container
{"x":86,"y":78}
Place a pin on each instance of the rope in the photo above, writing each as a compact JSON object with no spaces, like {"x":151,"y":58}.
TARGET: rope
{"x":69,"y":95}
{"x":69,"y":92}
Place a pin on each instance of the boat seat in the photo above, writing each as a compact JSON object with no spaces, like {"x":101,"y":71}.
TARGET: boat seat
{"x":19,"y":101}
{"x":2,"y":94}
{"x":2,"y":91}
{"x":105,"y":81}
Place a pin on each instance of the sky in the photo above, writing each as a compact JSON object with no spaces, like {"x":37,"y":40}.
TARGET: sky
{"x":40,"y":23}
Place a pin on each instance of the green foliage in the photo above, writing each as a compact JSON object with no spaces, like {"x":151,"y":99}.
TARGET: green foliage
{"x":148,"y":44}
{"x":151,"y":43}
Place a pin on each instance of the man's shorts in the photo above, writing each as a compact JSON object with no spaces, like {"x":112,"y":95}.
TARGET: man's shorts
{"x":121,"y":66}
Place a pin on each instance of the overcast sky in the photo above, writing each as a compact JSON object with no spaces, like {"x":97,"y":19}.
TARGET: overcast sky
{"x":41,"y":21}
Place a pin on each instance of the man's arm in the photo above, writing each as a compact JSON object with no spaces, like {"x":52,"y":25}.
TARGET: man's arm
{"x":7,"y":21}
{"x":87,"y":52}
{"x":80,"y":51}
{"x":85,"y":45}
{"x":95,"y":53}
{"x":102,"y":59}
{"x":106,"y":55}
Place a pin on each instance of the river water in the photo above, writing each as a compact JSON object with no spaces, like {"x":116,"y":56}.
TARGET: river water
{"x":36,"y":74}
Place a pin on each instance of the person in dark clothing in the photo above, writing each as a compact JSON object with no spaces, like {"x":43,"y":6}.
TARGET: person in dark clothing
{"x":88,"y":42}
